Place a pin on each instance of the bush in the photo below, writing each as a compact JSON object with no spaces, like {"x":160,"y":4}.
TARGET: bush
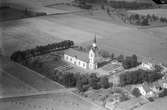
{"x":150,"y":99}
{"x":136,"y":92}
{"x":130,"y":62}
{"x":163,"y":93}
{"x":104,"y":82}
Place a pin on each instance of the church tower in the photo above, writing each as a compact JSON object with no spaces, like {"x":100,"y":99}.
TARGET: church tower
{"x":93,"y":55}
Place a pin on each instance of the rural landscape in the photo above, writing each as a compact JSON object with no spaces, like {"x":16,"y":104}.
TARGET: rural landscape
{"x":83,"y":54}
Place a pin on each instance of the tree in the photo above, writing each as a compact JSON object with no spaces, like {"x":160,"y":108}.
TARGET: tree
{"x":139,"y":76}
{"x":163,"y":93}
{"x":134,"y":61}
{"x":120,"y":58}
{"x":82,"y":82}
{"x":104,"y":82}
{"x":130,"y":61}
{"x":93,"y":81}
{"x":158,"y":68}
{"x":136,"y":92}
{"x":69,"y":80}
{"x":112,"y":56}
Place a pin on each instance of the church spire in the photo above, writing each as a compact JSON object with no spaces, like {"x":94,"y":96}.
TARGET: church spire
{"x":94,"y":42}
{"x":95,"y":39}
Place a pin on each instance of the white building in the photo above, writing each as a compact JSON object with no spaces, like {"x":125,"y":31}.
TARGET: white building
{"x":146,"y":66}
{"x":84,"y":60}
{"x":145,"y":90}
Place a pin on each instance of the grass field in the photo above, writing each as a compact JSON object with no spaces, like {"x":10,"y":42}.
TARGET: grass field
{"x":35,"y":80}
{"x":10,"y":85}
{"x":159,"y":104}
{"x":118,"y":39}
{"x":58,"y":101}
{"x":156,"y":12}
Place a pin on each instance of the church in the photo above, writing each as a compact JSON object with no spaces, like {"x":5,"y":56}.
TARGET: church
{"x":82,"y":59}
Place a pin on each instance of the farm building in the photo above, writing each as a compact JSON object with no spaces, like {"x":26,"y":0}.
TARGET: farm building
{"x":145,"y":90}
{"x":82,"y":59}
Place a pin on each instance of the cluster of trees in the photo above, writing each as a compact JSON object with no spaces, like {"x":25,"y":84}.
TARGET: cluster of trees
{"x":82,"y":81}
{"x":142,"y":20}
{"x":21,"y":56}
{"x":139,"y":76}
{"x":129,"y":61}
{"x":130,"y":5}
{"x":163,"y":93}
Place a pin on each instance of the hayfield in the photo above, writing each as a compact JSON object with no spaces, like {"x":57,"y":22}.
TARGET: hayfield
{"x":10,"y":85}
{"x":156,"y":12}
{"x":148,"y":43}
{"x":58,"y":101}
{"x":31,"y":78}
{"x":118,"y":39}
{"x":140,"y":1}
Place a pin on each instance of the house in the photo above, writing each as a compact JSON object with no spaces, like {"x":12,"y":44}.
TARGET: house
{"x":156,"y":87}
{"x":164,"y":70}
{"x":84,"y":60}
{"x":145,"y":90}
{"x":163,"y":83}
{"x":146,"y":66}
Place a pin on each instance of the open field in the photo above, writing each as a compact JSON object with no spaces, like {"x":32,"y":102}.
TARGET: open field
{"x":58,"y":101}
{"x":9,"y":14}
{"x":156,"y":12}
{"x":118,"y":39}
{"x":28,"y":33}
{"x":10,"y":85}
{"x":142,"y":1}
{"x":35,"y":80}
{"x":159,"y":104}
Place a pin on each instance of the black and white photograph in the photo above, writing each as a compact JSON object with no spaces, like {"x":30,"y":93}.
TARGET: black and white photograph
{"x":83,"y":54}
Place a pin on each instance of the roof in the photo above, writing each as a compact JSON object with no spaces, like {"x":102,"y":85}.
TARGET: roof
{"x":156,"y":84}
{"x":83,"y":56}
{"x":162,"y":81}
{"x":146,"y":87}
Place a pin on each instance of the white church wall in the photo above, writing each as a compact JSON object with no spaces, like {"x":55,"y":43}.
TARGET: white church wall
{"x":75,"y":61}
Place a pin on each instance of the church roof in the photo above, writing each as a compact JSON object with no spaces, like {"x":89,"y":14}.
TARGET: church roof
{"x":83,"y":56}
